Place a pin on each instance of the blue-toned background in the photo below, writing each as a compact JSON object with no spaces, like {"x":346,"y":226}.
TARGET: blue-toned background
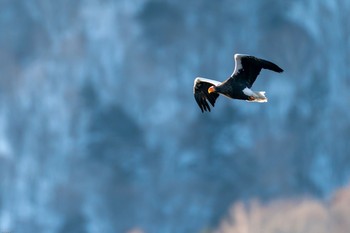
{"x":100,"y":133}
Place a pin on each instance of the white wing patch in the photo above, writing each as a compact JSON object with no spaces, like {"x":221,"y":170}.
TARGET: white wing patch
{"x":200,"y":79}
{"x":249,"y":92}
{"x":238,"y":63}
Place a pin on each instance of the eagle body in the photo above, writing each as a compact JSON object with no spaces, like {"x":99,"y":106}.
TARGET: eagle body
{"x":237,"y":86}
{"x":232,"y":89}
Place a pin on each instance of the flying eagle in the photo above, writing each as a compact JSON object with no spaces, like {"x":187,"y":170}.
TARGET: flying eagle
{"x":237,"y":86}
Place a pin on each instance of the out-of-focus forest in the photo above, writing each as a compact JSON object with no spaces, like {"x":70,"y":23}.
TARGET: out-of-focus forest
{"x":99,"y":130}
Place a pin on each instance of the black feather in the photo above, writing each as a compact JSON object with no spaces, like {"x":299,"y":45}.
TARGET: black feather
{"x":202,"y":96}
{"x":270,"y":66}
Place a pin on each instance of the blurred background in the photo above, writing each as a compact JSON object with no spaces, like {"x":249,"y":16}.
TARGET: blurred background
{"x":99,"y":130}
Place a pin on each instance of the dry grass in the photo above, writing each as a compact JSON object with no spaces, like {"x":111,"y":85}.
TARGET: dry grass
{"x":291,"y":216}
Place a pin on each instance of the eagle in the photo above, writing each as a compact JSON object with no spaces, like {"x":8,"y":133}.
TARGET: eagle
{"x":237,"y":86}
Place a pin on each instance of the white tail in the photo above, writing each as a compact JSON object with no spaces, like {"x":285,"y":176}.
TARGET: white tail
{"x":258,"y":96}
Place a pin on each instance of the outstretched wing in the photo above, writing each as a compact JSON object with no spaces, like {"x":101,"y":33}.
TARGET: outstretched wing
{"x":247,"y":68}
{"x":201,"y":95}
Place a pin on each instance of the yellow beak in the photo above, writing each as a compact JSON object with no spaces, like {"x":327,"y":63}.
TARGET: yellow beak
{"x":211,"y":89}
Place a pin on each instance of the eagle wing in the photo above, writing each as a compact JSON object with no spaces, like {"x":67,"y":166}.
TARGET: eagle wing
{"x":201,"y":95}
{"x":247,"y":68}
